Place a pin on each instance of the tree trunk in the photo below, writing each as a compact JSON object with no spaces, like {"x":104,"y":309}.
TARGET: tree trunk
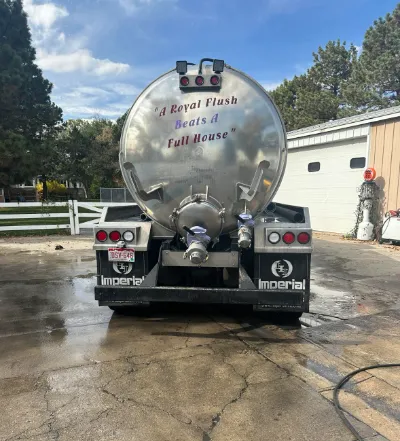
{"x":44,"y":179}
{"x":7,"y":193}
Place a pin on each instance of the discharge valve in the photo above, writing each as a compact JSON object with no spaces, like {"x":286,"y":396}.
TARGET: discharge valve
{"x":197,"y":241}
{"x":245,"y":233}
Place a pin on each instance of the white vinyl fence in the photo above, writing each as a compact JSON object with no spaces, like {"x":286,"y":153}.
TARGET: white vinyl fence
{"x":72,"y":215}
{"x":97,"y":210}
{"x":68,"y":215}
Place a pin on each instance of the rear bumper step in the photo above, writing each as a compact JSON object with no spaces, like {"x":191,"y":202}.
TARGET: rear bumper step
{"x":270,"y":300}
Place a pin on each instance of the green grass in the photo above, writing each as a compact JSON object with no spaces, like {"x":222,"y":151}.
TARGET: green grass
{"x":33,"y":210}
{"x":38,"y":210}
{"x":49,"y":221}
{"x":9,"y":234}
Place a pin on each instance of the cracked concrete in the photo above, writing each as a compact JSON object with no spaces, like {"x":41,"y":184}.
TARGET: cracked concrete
{"x":189,"y":398}
{"x":284,"y":416}
{"x":70,"y":370}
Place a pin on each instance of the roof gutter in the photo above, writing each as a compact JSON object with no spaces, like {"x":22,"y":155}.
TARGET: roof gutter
{"x":344,"y":126}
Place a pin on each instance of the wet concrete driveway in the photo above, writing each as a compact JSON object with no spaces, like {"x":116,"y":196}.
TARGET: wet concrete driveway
{"x":70,"y":370}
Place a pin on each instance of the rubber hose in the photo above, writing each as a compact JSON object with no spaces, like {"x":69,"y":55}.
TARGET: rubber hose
{"x":340,"y":411}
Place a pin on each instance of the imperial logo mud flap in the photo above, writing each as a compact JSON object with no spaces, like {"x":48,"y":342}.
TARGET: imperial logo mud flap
{"x":120,"y":273}
{"x":282,"y":272}
{"x":277,"y":285}
{"x":122,"y":281}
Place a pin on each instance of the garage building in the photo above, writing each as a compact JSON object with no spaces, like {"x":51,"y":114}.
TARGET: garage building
{"x":326,"y":163}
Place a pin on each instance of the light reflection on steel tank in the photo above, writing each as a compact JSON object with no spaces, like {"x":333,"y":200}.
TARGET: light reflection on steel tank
{"x":178,"y":144}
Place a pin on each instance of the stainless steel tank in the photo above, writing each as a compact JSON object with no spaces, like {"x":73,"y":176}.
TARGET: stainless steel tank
{"x":198,"y":157}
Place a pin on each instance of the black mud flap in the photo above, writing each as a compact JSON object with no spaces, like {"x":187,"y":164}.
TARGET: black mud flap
{"x":282,"y":273}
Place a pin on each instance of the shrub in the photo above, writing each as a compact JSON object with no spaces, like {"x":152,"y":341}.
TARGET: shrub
{"x":54,"y":189}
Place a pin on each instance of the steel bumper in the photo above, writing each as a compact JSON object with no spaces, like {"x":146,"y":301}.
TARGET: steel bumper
{"x":269,"y":300}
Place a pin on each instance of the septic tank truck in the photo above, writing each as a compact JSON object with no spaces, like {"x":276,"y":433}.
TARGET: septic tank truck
{"x":203,"y":152}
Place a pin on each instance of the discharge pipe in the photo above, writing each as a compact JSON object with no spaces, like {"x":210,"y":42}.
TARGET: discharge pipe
{"x":292,"y":215}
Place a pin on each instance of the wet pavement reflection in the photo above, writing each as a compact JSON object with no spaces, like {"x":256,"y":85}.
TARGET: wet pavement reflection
{"x":72,"y":370}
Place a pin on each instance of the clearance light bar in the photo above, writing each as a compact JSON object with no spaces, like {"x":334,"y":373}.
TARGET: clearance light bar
{"x":200,"y":80}
{"x":288,"y":238}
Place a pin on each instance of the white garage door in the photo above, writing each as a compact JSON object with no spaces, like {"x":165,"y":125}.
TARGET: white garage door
{"x":329,"y":189}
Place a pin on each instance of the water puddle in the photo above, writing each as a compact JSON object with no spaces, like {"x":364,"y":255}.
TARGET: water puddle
{"x":331,"y":302}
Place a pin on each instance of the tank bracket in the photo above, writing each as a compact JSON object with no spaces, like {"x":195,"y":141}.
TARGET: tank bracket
{"x":155,"y":192}
{"x":248,"y":192}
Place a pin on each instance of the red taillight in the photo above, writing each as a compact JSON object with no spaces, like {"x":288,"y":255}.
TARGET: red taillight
{"x":303,"y":238}
{"x":199,"y":80}
{"x":184,"y":81}
{"x":214,"y":80}
{"x":288,"y":238}
{"x":115,"y":236}
{"x":101,"y":236}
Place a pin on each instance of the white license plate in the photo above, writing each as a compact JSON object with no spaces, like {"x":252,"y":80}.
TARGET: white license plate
{"x":121,"y":255}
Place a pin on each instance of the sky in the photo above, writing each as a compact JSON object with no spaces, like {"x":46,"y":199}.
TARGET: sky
{"x":99,"y":54}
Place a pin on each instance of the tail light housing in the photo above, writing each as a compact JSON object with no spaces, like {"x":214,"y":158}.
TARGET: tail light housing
{"x":101,"y":236}
{"x":274,"y":238}
{"x":115,"y":236}
{"x":214,"y":80}
{"x":184,"y":81}
{"x":199,"y":80}
{"x":128,"y":236}
{"x":288,"y":238}
{"x":303,"y":238}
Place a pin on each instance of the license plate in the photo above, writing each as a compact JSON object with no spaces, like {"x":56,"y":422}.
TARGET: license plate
{"x":121,"y":255}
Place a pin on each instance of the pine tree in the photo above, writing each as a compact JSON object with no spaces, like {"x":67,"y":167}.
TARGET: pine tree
{"x":317,"y":96}
{"x":376,"y":80}
{"x":27,"y":114}
{"x":333,"y":66}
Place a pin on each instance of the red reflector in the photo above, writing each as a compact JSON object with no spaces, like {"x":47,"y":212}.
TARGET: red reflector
{"x":369,"y":174}
{"x":303,"y":238}
{"x":115,"y":236}
{"x":184,"y":81}
{"x":214,"y":80}
{"x":288,"y":238}
{"x":101,"y":236}
{"x":199,"y":80}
